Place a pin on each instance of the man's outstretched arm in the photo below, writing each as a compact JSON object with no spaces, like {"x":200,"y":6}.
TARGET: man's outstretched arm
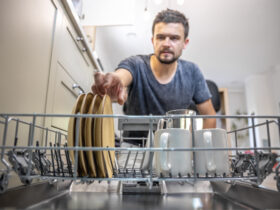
{"x":206,"y":108}
{"x":114,"y":84}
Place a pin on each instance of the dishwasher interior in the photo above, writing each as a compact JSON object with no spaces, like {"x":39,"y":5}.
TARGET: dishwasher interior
{"x":40,"y":159}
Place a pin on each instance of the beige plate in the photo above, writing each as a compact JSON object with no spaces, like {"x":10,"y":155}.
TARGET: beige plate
{"x":71,"y":126}
{"x":104,"y":137}
{"x":89,"y":126}
{"x":82,"y":135}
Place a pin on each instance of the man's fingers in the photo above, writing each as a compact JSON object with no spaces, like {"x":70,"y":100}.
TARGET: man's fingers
{"x":122,"y":96}
{"x":99,"y":81}
{"x":99,"y":78}
{"x":109,"y":84}
{"x":108,"y":81}
{"x":111,"y":80}
{"x":95,"y":90}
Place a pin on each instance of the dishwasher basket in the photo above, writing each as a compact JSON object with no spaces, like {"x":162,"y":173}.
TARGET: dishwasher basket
{"x":37,"y":152}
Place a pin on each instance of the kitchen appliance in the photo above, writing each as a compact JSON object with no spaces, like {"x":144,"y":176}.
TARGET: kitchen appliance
{"x":47,"y":159}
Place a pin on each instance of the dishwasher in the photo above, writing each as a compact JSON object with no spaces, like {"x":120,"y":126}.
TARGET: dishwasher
{"x":50,"y":180}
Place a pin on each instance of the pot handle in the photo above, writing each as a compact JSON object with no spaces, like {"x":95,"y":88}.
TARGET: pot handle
{"x":165,"y":165}
{"x":209,"y":154}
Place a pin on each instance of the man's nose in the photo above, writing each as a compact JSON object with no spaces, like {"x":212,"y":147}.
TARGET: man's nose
{"x":166,"y":41}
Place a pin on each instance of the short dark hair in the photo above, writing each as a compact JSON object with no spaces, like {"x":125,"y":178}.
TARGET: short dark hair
{"x":172,"y":16}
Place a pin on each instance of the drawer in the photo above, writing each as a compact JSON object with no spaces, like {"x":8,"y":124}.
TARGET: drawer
{"x":64,"y":97}
{"x":72,"y":56}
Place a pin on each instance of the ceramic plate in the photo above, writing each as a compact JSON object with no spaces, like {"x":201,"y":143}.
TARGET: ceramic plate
{"x":89,"y":141}
{"x":71,"y":127}
{"x":104,"y":137}
{"x":83,"y":162}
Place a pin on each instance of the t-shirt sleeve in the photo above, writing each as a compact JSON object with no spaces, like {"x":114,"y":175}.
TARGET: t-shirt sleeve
{"x":201,"y":90}
{"x":128,"y":64}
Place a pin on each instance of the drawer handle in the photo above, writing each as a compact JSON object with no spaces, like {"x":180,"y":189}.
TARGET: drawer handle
{"x":79,"y":38}
{"x":74,"y":86}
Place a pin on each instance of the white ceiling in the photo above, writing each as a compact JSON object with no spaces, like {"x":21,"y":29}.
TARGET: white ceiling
{"x":229,"y":39}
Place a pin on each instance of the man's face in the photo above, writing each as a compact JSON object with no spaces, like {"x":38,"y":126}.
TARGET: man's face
{"x":168,"y":41}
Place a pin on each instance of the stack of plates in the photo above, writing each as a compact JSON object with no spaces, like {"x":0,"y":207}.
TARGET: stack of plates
{"x":92,"y":132}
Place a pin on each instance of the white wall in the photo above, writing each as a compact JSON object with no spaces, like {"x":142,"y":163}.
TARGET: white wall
{"x":237,"y":105}
{"x":108,"y":12}
{"x":263,"y":99}
{"x":229,"y":40}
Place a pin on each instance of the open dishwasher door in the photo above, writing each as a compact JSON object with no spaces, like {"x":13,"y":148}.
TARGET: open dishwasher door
{"x":132,"y":186}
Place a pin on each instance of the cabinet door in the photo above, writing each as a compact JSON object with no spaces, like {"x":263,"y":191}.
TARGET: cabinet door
{"x":72,"y":56}
{"x":69,"y":65}
{"x":64,"y":98}
{"x":26,"y":39}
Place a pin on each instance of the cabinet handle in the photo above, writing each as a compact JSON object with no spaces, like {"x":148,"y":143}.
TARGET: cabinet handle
{"x":79,"y":38}
{"x":74,"y":86}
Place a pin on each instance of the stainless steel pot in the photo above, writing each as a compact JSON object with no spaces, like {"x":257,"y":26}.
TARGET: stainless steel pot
{"x":183,"y":122}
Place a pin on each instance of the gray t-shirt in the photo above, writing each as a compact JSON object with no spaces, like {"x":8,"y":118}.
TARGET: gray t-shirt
{"x":147,"y":96}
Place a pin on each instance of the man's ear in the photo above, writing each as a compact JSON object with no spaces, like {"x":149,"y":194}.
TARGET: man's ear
{"x":186,"y":42}
{"x":152,"y":39}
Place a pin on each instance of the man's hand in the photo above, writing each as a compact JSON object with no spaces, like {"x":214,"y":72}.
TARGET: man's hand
{"x":110,"y":84}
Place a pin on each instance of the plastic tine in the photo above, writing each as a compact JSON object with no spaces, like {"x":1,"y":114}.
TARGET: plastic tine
{"x":61,"y":162}
{"x":59,"y":138}
{"x":57,"y":160}
{"x":16,"y":134}
{"x":126,"y":161}
{"x":117,"y":166}
{"x":40,"y":161}
{"x":236,"y":144}
{"x":135,"y":160}
{"x":105,"y":165}
{"x":268,"y":135}
{"x":46,"y":137}
{"x":69,"y":165}
{"x":30,"y":143}
{"x":255,"y":151}
{"x":143,"y":158}
{"x":55,"y":139}
{"x":111,"y":160}
{"x":52,"y":159}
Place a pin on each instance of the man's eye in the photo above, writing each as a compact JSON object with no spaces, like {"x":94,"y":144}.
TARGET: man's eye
{"x":174,"y":38}
{"x":160,"y":37}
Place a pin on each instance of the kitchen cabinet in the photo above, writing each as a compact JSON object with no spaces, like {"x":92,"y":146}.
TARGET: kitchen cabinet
{"x":224,"y":122}
{"x":26,"y":39}
{"x":91,"y":35}
{"x":34,"y":42}
{"x":42,"y":55}
{"x":70,"y":65}
{"x":26,"y":47}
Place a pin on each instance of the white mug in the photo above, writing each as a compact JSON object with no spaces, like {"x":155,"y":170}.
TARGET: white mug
{"x":173,"y":162}
{"x":211,"y":161}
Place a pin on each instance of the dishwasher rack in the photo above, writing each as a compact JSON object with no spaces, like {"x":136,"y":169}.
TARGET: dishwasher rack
{"x":42,"y":153}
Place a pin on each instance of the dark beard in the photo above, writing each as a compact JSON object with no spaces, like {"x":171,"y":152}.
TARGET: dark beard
{"x":174,"y":59}
{"x":167,"y":61}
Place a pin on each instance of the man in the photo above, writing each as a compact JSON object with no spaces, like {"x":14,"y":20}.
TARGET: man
{"x":157,"y":83}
